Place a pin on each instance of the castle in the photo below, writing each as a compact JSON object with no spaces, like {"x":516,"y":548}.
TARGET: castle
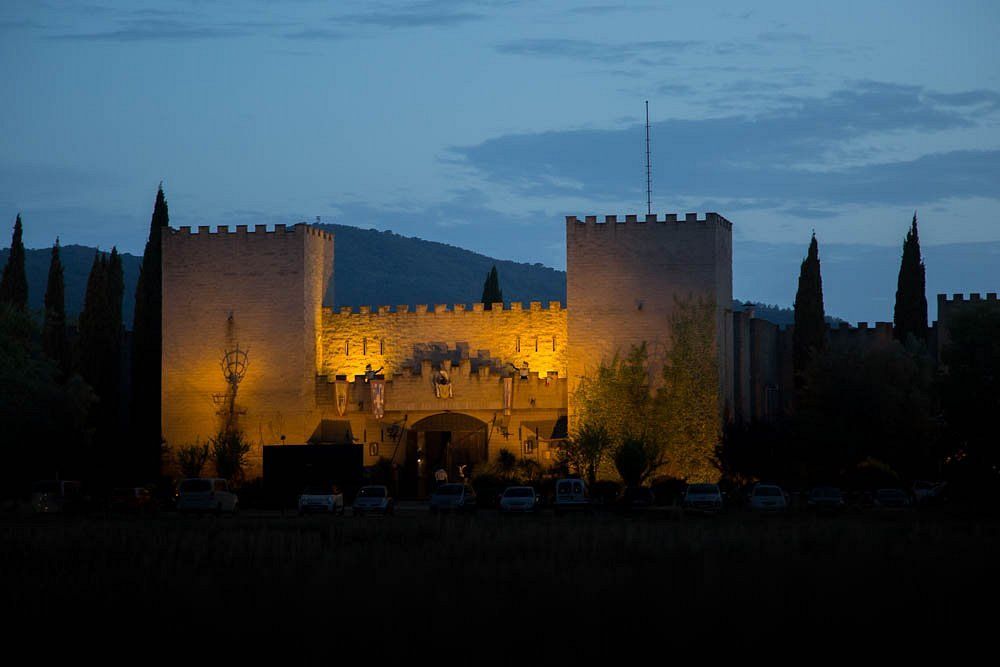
{"x":245,"y":331}
{"x":446,"y":385}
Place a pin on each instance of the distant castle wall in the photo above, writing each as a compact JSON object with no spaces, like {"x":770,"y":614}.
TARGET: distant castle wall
{"x":271,"y":283}
{"x":623,"y":277}
{"x":949,"y":308}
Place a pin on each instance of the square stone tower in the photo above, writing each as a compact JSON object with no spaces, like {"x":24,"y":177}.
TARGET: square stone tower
{"x":271,"y":284}
{"x":622,"y":279}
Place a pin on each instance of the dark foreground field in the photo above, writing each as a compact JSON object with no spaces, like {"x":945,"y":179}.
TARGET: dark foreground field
{"x":428,"y":579}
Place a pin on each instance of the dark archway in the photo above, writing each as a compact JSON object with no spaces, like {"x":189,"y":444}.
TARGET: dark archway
{"x":451,"y":441}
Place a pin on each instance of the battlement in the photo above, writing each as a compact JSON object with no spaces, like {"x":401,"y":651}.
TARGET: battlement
{"x":962,"y":298}
{"x":863,"y":326}
{"x":710,"y":217}
{"x":444,"y":309}
{"x":225,"y":231}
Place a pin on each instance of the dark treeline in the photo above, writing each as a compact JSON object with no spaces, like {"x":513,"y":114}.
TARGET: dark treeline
{"x":875,"y":414}
{"x":70,"y":407}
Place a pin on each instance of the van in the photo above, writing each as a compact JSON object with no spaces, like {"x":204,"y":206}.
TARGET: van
{"x":206,"y":494}
{"x":571,"y":494}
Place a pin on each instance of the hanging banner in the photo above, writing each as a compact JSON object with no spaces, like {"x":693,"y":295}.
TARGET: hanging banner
{"x":508,"y":395}
{"x":378,"y":398}
{"x":340,"y":396}
{"x":442,"y":385}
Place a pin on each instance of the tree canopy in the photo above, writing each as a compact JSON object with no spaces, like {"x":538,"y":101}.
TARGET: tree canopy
{"x":910,"y":313}
{"x":14,"y":283}
{"x":491,"y":289}
{"x":809,"y":335}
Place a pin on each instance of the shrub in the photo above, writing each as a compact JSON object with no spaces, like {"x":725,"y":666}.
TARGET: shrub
{"x":191,"y":459}
{"x":230,"y":449}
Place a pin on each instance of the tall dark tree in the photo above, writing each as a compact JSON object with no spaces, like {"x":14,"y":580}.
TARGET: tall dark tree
{"x":809,"y":335}
{"x":491,"y":289}
{"x":54,"y":340}
{"x":91,"y":341}
{"x":14,"y":284}
{"x":910,"y":315}
{"x":147,"y":343}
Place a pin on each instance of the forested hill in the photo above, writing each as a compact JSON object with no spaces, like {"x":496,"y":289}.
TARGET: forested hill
{"x":383,"y":268}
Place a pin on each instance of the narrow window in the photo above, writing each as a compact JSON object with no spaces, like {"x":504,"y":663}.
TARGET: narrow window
{"x":517,"y":344}
{"x":536,"y":343}
{"x":347,"y":347}
{"x":553,"y":343}
{"x":364,"y":346}
{"x":381,"y":346}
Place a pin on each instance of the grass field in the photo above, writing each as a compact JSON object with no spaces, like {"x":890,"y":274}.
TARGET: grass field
{"x":423,"y":576}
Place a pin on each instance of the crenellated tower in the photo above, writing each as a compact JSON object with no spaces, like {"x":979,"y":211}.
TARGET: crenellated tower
{"x":623,"y":276}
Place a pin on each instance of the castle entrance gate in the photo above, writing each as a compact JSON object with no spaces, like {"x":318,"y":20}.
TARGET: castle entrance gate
{"x":445,"y":441}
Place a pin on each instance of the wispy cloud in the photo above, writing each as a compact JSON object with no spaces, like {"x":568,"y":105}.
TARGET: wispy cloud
{"x":603,"y":52}
{"x":770,"y":157}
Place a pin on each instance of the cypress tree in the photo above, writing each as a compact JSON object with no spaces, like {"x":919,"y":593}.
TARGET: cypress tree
{"x":54,"y":340}
{"x":491,"y":289}
{"x":14,"y":284}
{"x":809,"y":335}
{"x":910,"y":314}
{"x":92,"y":341}
{"x":146,"y":347}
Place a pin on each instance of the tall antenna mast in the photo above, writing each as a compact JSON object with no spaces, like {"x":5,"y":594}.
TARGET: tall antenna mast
{"x":649,"y":172}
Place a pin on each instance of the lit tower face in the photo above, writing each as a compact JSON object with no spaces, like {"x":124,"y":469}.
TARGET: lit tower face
{"x":624,"y":276}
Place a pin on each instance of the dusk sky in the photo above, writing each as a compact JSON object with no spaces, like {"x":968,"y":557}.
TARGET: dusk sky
{"x":484,"y":124}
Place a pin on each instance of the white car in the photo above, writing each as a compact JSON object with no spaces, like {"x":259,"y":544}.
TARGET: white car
{"x":372,"y":500}
{"x":319,"y":498}
{"x":206,"y":494}
{"x":768,"y":498}
{"x":703,"y":498}
{"x":519,"y":499}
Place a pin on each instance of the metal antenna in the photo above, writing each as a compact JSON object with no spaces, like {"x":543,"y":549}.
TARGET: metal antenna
{"x":649,"y":171}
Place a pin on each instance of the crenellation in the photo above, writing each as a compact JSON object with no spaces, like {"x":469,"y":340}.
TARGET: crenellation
{"x":477,"y":308}
{"x":974,"y":297}
{"x":364,"y":310}
{"x":991,"y":296}
{"x":630,"y":220}
{"x":440,"y":308}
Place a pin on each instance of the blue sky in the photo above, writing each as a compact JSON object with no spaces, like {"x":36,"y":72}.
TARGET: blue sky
{"x":482,"y":124}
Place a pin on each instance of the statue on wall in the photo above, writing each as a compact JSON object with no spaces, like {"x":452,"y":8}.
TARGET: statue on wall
{"x":442,"y":384}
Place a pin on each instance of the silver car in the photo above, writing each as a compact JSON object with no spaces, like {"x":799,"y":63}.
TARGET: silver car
{"x":457,"y":497}
{"x":319,"y":498}
{"x":372,"y":500}
{"x":703,"y":498}
{"x":768,"y":498}
{"x":206,"y":494}
{"x":519,"y":499}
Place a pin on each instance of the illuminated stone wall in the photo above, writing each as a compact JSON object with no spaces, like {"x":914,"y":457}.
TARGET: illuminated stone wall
{"x":272,"y":282}
{"x":622,"y":277}
{"x":402,"y":338}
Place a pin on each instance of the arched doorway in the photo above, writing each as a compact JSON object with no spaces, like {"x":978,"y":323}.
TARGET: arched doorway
{"x":451,"y":441}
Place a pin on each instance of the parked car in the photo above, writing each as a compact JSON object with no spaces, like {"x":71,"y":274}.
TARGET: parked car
{"x":702,"y":498}
{"x":826,"y":499}
{"x":321,"y":498}
{"x":519,"y":499}
{"x":768,"y":498}
{"x":56,"y":496}
{"x":891,"y":499}
{"x":457,"y":497}
{"x":928,"y":493}
{"x":206,"y":494}
{"x":635,"y":498}
{"x":373,"y":500}
{"x":133,"y":499}
{"x":571,"y":494}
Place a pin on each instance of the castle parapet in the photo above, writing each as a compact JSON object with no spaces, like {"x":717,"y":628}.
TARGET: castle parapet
{"x":631,"y":219}
{"x":457,"y":309}
{"x":224,"y":231}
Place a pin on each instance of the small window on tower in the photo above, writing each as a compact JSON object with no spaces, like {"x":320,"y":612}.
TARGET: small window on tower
{"x":347,"y":347}
{"x":517,"y":344}
{"x":364,"y":346}
{"x":381,"y":346}
{"x":536,"y":343}
{"x":553,"y":343}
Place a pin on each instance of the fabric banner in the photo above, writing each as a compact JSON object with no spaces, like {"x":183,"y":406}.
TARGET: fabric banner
{"x":508,"y":395}
{"x":442,"y":385}
{"x":378,"y":398}
{"x":340,"y":396}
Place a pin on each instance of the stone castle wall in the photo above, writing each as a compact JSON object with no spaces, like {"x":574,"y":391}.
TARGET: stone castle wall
{"x":622,"y":280}
{"x":403,"y":338}
{"x":271,"y":283}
